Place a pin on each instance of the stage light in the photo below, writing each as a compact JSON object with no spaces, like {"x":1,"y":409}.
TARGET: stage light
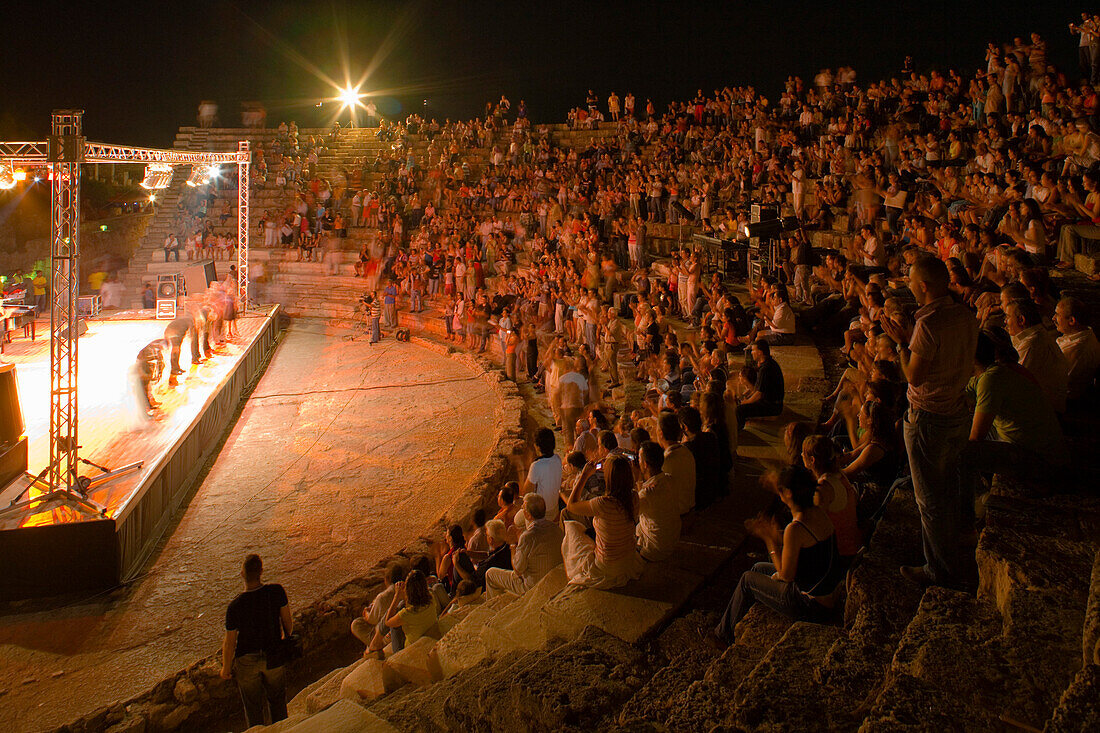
{"x":152,"y":197}
{"x":20,"y":175}
{"x":157,"y":175}
{"x":200,"y":176}
{"x":350,"y":97}
{"x":7,"y":177}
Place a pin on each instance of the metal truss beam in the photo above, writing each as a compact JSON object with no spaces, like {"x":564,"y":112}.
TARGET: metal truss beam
{"x":244,"y":156}
{"x":65,"y":266}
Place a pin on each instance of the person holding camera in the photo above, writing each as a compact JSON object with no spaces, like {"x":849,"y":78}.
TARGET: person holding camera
{"x":256,"y":623}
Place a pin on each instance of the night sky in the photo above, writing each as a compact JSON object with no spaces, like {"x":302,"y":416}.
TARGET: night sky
{"x":140,"y":69}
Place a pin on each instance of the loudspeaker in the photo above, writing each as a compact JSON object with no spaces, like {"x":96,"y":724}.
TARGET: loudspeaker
{"x":81,"y":329}
{"x":683,"y":210}
{"x":198,"y":277}
{"x":11,"y":415}
{"x":167,"y":289}
{"x":766,"y":228}
{"x":166,"y":309}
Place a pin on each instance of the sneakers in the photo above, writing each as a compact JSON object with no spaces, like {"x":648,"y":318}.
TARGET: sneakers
{"x":917,"y":574}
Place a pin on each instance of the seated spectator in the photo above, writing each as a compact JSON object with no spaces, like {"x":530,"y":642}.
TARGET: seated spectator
{"x":371,"y":628}
{"x":537,"y":552}
{"x":804,"y":564}
{"x":508,"y":502}
{"x":468,"y":596}
{"x":1039,"y":352}
{"x":710,"y":483}
{"x":477,"y":543}
{"x":1079,"y":345}
{"x":766,"y":398}
{"x":445,"y":554}
{"x":659,"y":522}
{"x":873,"y":432}
{"x":612,"y":559}
{"x":679,"y":462}
{"x":715,"y":410}
{"x":1015,"y":431}
{"x":413,"y":608}
{"x":500,"y":552}
{"x":835,"y":493}
{"x":544,"y":476}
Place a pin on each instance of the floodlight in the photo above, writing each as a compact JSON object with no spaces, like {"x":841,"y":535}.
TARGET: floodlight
{"x":7,"y":176}
{"x":157,"y":175}
{"x":200,"y":175}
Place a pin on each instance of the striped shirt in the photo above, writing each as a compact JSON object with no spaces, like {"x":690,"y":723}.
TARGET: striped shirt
{"x":614,"y":530}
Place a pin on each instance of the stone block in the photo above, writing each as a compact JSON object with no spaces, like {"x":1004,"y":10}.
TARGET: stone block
{"x":411,"y":664}
{"x":1090,"y":636}
{"x":331,"y":691}
{"x":1010,"y":559}
{"x":281,"y":726}
{"x":343,"y":717}
{"x":790,"y":666}
{"x":909,"y":704}
{"x":516,"y":625}
{"x":461,"y":647}
{"x":1078,"y":709}
{"x":363,"y":682}
{"x":298,"y":704}
{"x":658,"y":697}
{"x":628,"y":613}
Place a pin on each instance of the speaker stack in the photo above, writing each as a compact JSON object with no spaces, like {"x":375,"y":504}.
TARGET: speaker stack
{"x":13,"y":444}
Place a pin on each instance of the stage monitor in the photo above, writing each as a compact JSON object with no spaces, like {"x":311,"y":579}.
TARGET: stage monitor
{"x":198,"y":277}
{"x":11,"y":415}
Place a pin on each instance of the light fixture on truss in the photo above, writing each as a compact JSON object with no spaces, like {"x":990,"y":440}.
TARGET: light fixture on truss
{"x":157,"y":175}
{"x":200,"y":175}
{"x":7,"y":176}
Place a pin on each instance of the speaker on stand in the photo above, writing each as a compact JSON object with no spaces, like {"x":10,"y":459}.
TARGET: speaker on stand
{"x":167,"y":297}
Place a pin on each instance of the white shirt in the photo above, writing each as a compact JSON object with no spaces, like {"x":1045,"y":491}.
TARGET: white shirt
{"x":545,"y":475}
{"x":1040,"y":355}
{"x":680,"y":467}
{"x":658,"y":518}
{"x":783,"y":320}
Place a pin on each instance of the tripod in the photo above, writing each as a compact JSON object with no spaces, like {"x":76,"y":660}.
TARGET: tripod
{"x":74,"y":496}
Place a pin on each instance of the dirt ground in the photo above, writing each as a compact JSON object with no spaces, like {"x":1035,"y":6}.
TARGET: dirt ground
{"x":344,"y":454}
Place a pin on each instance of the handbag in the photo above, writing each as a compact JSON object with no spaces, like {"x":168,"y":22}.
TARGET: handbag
{"x":284,"y":649}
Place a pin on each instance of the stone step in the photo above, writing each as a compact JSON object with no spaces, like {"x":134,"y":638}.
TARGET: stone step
{"x":907,"y":703}
{"x":1078,"y":709}
{"x":661,"y":697}
{"x":961,"y":645}
{"x":343,"y":717}
{"x":791,"y":665}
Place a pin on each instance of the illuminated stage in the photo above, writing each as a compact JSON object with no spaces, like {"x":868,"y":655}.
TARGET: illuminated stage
{"x":95,"y":551}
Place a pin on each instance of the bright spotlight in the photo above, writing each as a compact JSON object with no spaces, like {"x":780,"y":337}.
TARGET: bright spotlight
{"x":350,"y":97}
{"x":7,"y":177}
{"x":20,"y":175}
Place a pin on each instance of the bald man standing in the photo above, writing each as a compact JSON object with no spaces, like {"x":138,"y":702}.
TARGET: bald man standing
{"x":937,"y":362}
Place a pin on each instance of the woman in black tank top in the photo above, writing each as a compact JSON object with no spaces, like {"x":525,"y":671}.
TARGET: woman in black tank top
{"x":804,"y":563}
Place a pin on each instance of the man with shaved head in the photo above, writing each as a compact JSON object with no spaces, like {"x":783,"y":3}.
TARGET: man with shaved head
{"x":937,"y":357}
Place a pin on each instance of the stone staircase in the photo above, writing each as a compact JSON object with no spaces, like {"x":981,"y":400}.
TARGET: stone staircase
{"x":148,"y":260}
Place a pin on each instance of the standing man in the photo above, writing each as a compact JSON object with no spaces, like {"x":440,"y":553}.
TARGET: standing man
{"x":255,"y":622}
{"x":40,"y":282}
{"x":937,"y":362}
{"x":374,"y":307}
{"x":544,"y":476}
{"x":389,"y":301}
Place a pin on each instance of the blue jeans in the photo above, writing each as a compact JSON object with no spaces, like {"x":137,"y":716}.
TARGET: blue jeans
{"x":758,"y":585}
{"x":260,"y":687}
{"x":934,"y":443}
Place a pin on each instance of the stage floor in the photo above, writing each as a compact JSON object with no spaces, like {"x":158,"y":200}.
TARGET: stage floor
{"x":112,"y":431}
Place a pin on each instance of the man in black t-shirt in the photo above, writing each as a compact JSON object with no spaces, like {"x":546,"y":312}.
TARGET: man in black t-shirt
{"x":766,"y":398}
{"x":255,"y":622}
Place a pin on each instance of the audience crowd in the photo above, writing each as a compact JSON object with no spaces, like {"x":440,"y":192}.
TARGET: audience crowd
{"x":958,"y":198}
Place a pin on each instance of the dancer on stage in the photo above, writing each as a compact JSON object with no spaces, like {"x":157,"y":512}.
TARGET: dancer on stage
{"x":174,"y":333}
{"x":146,"y":371}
